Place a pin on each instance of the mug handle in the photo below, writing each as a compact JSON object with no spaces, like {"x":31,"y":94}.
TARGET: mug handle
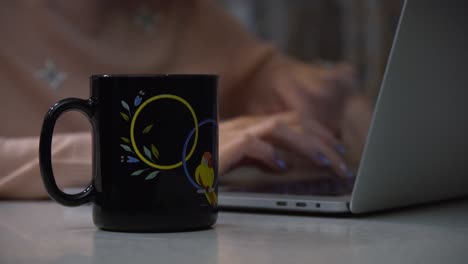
{"x":70,"y":104}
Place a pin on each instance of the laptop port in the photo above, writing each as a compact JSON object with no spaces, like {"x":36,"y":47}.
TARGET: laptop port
{"x":281,"y":203}
{"x":301,"y":204}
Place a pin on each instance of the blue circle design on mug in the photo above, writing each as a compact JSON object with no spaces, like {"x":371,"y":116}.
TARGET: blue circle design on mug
{"x":184,"y":154}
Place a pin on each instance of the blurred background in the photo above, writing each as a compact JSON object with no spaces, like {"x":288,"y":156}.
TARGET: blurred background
{"x":51,"y":48}
{"x":359,"y":32}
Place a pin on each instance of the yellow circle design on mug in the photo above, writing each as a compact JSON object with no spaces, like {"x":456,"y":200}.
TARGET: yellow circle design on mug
{"x":132,"y":132}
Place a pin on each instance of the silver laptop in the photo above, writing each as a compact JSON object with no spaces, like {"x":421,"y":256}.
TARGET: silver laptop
{"x":417,"y":146}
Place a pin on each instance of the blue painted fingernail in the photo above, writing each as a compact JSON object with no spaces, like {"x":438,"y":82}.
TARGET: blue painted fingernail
{"x":281,"y":164}
{"x":340,"y":149}
{"x":323,"y":159}
{"x":347,"y":171}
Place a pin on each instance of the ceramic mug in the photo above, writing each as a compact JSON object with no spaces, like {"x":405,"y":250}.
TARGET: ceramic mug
{"x":155,"y":152}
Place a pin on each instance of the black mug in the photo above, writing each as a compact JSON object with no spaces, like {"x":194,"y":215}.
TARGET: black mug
{"x":155,"y":154}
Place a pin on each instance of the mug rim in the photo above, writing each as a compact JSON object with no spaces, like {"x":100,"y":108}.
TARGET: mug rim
{"x":158,"y":75}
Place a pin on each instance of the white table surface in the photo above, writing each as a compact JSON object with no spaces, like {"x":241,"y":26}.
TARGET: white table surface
{"x":45,"y":232}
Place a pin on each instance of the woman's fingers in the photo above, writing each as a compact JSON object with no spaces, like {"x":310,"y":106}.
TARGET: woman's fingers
{"x":309,"y":145}
{"x":313,"y":126}
{"x":306,"y":124}
{"x":240,"y":145}
{"x":257,"y":149}
{"x":260,"y":138}
{"x":336,"y":160}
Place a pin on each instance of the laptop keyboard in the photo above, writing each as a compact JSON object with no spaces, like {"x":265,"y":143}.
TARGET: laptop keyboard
{"x":322,"y":187}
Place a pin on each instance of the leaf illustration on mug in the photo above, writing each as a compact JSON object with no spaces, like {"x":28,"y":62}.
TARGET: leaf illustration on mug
{"x":147,"y":152}
{"x":126,"y":106}
{"x":124,"y":116}
{"x":152,"y":175}
{"x":147,"y":129}
{"x":137,"y":100}
{"x":138,"y":172}
{"x":155,"y":151}
{"x":131,"y":159}
{"x":126,"y":148}
{"x":150,"y":152}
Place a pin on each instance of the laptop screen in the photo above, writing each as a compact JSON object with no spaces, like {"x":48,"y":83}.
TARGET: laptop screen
{"x":323,"y":36}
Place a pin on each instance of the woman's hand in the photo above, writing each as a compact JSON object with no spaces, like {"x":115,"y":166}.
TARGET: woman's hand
{"x":259,"y":139}
{"x":283,"y":84}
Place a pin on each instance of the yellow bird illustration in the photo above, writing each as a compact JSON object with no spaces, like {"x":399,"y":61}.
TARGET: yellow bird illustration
{"x":204,"y":175}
